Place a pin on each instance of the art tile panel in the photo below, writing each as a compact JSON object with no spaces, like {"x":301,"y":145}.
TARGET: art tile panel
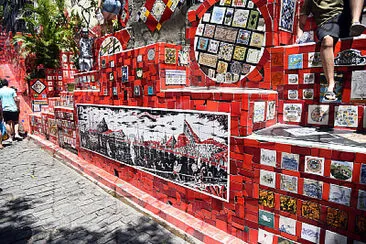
{"x":188,"y":148}
{"x":310,"y":233}
{"x":288,"y":204}
{"x":341,"y":170}
{"x":266,"y":198}
{"x":318,"y":114}
{"x":310,"y":210}
{"x":340,"y":194}
{"x":337,"y":218}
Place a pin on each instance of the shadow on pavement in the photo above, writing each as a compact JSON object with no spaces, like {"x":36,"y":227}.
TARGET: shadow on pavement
{"x":17,"y":226}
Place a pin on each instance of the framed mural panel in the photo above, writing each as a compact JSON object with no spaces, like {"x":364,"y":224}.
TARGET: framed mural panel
{"x":188,"y":148}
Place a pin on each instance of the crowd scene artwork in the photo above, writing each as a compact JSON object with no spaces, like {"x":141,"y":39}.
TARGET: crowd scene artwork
{"x":189,"y":148}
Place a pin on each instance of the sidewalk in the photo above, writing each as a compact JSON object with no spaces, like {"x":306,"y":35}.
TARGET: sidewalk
{"x":44,"y":201}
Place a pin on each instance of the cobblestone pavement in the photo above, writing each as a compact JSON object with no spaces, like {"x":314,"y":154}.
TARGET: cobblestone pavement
{"x":44,"y":201}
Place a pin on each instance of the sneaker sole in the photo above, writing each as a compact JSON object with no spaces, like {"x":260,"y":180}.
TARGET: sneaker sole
{"x":357,"y":30}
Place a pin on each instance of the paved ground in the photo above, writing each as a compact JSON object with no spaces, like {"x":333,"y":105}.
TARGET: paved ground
{"x":44,"y":201}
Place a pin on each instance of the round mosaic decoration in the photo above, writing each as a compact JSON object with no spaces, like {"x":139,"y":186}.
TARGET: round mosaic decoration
{"x":229,"y":40}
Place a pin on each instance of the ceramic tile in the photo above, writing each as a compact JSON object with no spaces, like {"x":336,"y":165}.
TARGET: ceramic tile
{"x":361,"y":203}
{"x":346,"y":116}
{"x":341,"y":170}
{"x":295,"y":61}
{"x":259,"y":112}
{"x":310,"y":210}
{"x":266,"y":198}
{"x":290,"y":161}
{"x":358,"y":84}
{"x":313,"y":188}
{"x":310,"y":233}
{"x":340,"y":194}
{"x":292,"y":112}
{"x":337,"y":218}
{"x":288,"y":183}
{"x":332,"y":237}
{"x":314,"y":165}
{"x":268,"y":157}
{"x":271,"y":110}
{"x":287,"y":225}
{"x":288,"y":204}
{"x":266,"y":218}
{"x":267,"y":178}
{"x":287,"y":15}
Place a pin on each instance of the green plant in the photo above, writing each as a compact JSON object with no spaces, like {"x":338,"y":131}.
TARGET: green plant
{"x":51,"y":30}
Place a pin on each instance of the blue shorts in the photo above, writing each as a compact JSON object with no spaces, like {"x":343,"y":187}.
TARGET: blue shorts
{"x":112,"y":6}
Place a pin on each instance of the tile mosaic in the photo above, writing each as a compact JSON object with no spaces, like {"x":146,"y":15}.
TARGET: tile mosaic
{"x":226,"y":34}
{"x":244,"y":37}
{"x":268,"y":157}
{"x":287,"y":225}
{"x":271,"y":110}
{"x":266,"y":218}
{"x":170,"y":56}
{"x":346,"y":116}
{"x":358,"y":84}
{"x":332,"y":237}
{"x":341,"y":170}
{"x":267,"y":178}
{"x":338,"y":79}
{"x":202,"y":44}
{"x":228,"y":16}
{"x":363,"y":174}
{"x":253,"y":56}
{"x":213,"y":46}
{"x":288,"y":204}
{"x":318,"y":114}
{"x":209,"y":60}
{"x":295,"y":61}
{"x":340,"y":194}
{"x":259,"y":112}
{"x":310,"y":233}
{"x":257,"y":40}
{"x":292,"y":94}
{"x":264,"y":237}
{"x":218,"y":15}
{"x":209,"y":31}
{"x":293,"y":79}
{"x":236,"y":67}
{"x":361,"y":223}
{"x":226,"y":51}
{"x":292,"y":112}
{"x":175,"y":77}
{"x":158,"y":9}
{"x":222,"y":67}
{"x":337,"y":218}
{"x":266,"y":198}
{"x":313,"y":188}
{"x":361,"y":203}
{"x":253,"y":19}
{"x":314,"y":60}
{"x":240,"y":18}
{"x":287,"y":15}
{"x":308,"y":94}
{"x":139,"y":73}
{"x":314,"y":165}
{"x":309,"y":78}
{"x":199,"y":30}
{"x":290,"y":161}
{"x":282,"y":240}
{"x":310,"y":210}
{"x":288,"y":183}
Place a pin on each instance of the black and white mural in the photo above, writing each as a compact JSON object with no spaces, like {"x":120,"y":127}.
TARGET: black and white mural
{"x":189,"y":148}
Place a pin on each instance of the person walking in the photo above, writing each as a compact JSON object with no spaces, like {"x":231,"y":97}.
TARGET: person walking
{"x":335,"y":19}
{"x":9,"y":102}
{"x":110,"y":10}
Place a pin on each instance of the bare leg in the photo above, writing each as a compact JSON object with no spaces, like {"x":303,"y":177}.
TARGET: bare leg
{"x":16,"y":130}
{"x":356,"y":9}
{"x":327,"y":57}
{"x":10,"y":129}
{"x":1,"y":141}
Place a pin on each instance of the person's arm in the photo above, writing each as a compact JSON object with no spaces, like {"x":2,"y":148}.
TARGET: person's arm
{"x":16,"y":100}
{"x":99,"y":3}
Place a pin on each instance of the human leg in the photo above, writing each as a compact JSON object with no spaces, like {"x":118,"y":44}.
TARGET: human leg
{"x":327,"y":57}
{"x":356,"y":7}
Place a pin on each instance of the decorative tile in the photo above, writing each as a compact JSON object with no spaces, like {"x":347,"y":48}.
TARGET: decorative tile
{"x":236,"y":67}
{"x":221,"y":67}
{"x":229,"y":16}
{"x":341,"y":170}
{"x":309,"y":78}
{"x":293,"y":79}
{"x":202,"y":44}
{"x":363,"y":174}
{"x":287,"y":15}
{"x":208,"y":60}
{"x":268,"y":157}
{"x":287,"y":225}
{"x":226,"y":51}
{"x":158,"y":9}
{"x":310,"y":210}
{"x":259,"y":111}
{"x":271,"y":110}
{"x":38,"y":87}
{"x":150,"y":90}
{"x":124,"y":73}
{"x":239,"y":53}
{"x":239,"y":3}
{"x":288,"y":183}
{"x":293,"y":94}
{"x":244,"y":37}
{"x":139,"y":73}
{"x":253,"y":56}
{"x":175,"y":77}
{"x":218,"y":15}
{"x":314,"y":60}
{"x":137,"y":91}
{"x":240,"y":18}
{"x":332,"y":237}
{"x":340,"y":194}
{"x":199,"y":30}
{"x":111,"y":76}
{"x":170,"y":56}
{"x":337,"y":218}
{"x":308,"y":94}
{"x":361,"y":223}
{"x":264,"y":237}
{"x":314,"y":165}
{"x":295,"y":61}
{"x":310,"y":233}
{"x":361,"y":203}
{"x":206,"y":17}
{"x":346,"y":116}
{"x":288,"y":204}
{"x":213,"y":46}
{"x":358,"y":84}
{"x":267,"y":178}
{"x":313,"y":188}
{"x":292,"y":112}
{"x":350,"y":57}
{"x":290,"y":161}
{"x":257,"y":40}
{"x":318,"y":114}
{"x":209,"y":31}
{"x":282,"y":240}
{"x":266,"y":218}
{"x":266,"y":198}
{"x":225,"y":34}
{"x":253,"y":20}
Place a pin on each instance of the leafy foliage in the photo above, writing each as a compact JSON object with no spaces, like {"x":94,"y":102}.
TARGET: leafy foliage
{"x":50,"y":31}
